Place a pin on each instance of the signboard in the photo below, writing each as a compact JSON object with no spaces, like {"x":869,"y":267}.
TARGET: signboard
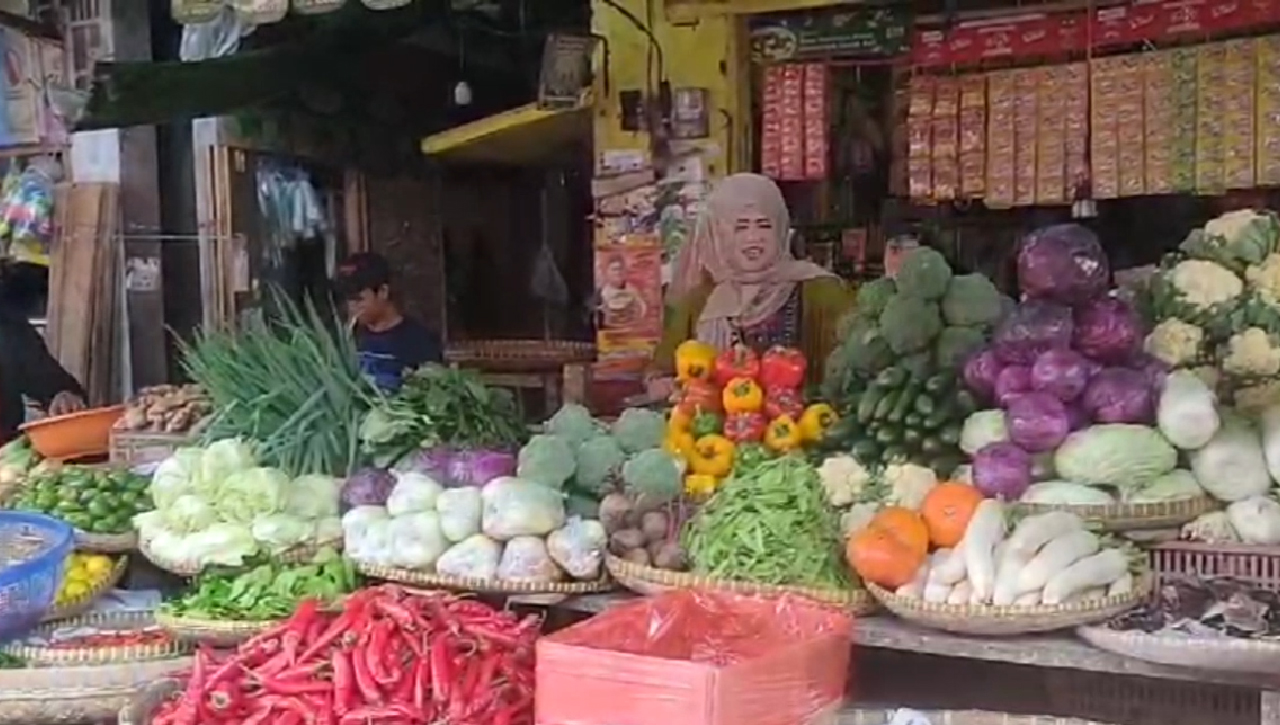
{"x":862,"y":32}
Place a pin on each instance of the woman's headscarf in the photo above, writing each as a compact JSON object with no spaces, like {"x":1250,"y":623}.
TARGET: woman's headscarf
{"x":741,"y":298}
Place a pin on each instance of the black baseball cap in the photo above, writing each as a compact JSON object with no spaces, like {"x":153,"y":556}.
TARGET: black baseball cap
{"x":362,"y":271}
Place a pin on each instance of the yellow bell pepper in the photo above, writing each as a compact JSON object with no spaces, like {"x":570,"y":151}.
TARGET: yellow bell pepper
{"x":679,"y":420}
{"x":712,"y":456}
{"x":815,"y":421}
{"x":700,"y":485}
{"x":694,"y":360}
{"x":743,"y":395}
{"x":782,"y":435}
{"x":678,"y":443}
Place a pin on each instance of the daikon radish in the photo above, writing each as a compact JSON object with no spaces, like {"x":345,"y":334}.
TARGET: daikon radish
{"x":1056,"y":555}
{"x":1121,"y":586}
{"x":1086,"y":595}
{"x":948,"y":566}
{"x":937,"y":593}
{"x":986,"y":529}
{"x":1100,"y":570}
{"x":1029,"y":599}
{"x":1009,"y":564}
{"x":1035,"y":531}
{"x":960,"y":593}
{"x":915,"y":587}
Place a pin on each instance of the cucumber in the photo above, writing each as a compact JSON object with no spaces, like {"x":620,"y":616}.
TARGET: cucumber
{"x":950,"y":434}
{"x":867,"y":404}
{"x":894,"y":454}
{"x":931,"y":446}
{"x":866,"y":451}
{"x":891,"y":378}
{"x":888,"y":404}
{"x":903,"y":404}
{"x":935,"y":420}
{"x":913,"y":420}
{"x":937,"y":385}
{"x":965,"y":403}
{"x":888,"y":435}
{"x":945,"y":465}
{"x":924,"y":405}
{"x":911,"y":438}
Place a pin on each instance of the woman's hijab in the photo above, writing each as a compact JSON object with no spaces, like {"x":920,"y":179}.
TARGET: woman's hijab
{"x":751,"y":285}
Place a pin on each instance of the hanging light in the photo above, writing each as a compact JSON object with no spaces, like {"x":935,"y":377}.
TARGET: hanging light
{"x":462,"y":94}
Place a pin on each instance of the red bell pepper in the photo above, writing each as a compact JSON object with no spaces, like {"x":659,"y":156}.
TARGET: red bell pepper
{"x":783,"y":367}
{"x":738,"y":361}
{"x":783,"y":401}
{"x":745,"y":427}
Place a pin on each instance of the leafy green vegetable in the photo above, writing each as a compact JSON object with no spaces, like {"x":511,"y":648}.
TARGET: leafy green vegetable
{"x":268,"y":591}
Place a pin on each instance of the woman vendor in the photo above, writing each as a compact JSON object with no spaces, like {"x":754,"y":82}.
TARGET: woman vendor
{"x":737,"y":282}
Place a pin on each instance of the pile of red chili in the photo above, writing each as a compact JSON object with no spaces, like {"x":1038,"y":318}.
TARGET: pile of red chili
{"x":390,"y":656}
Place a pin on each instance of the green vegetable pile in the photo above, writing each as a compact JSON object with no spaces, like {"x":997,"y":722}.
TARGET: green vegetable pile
{"x":292,"y":383}
{"x":96,"y":500}
{"x":770,"y":525}
{"x":439,"y":405}
{"x":269,"y":591}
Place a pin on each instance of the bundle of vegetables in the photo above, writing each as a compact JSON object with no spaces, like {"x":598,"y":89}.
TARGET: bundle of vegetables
{"x":736,"y":401}
{"x":268,"y":591}
{"x":17,"y":457}
{"x":441,"y":407}
{"x":390,"y":656}
{"x":95,"y":500}
{"x":769,"y":525}
{"x":1211,"y":607}
{"x":218,"y":506}
{"x":166,"y":409}
{"x":926,"y":319}
{"x":979,"y":558}
{"x":291,"y":383}
{"x":510,"y":528}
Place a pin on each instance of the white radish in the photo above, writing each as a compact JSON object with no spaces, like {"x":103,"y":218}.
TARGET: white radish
{"x":1099,"y":570}
{"x":1056,"y":555}
{"x":960,"y":593}
{"x":985,"y":531}
{"x":1086,"y":595}
{"x":915,"y":587}
{"x":1121,"y":586}
{"x":1030,"y":599}
{"x":937,"y":593}
{"x":1035,"y":531}
{"x":1009,"y":564}
{"x":948,"y":566}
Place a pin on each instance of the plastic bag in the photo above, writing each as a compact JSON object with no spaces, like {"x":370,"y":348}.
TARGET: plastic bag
{"x":1119,"y":395}
{"x":578,"y":547}
{"x":459,"y":510}
{"x":1030,"y":330}
{"x":526,"y":558}
{"x":413,"y":493}
{"x":416,"y":540}
{"x":515,"y":507}
{"x":1063,"y":263}
{"x":476,"y":557}
{"x":1038,"y":422}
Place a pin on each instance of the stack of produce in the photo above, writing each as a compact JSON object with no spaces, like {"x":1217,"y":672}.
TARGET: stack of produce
{"x":508,"y":529}
{"x":980,"y":557}
{"x":94,"y":500}
{"x":389,"y":656}
{"x":83,"y":575}
{"x":732,"y":403}
{"x":769,"y":524}
{"x":17,"y":458}
{"x":893,"y":377}
{"x":166,"y":409}
{"x":219,"y":506}
{"x":439,"y":407}
{"x":268,"y":591}
{"x":291,"y":383}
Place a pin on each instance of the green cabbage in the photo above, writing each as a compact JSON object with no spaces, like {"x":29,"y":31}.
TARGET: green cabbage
{"x":244,"y":496}
{"x":175,"y":476}
{"x":1122,"y":455}
{"x":313,"y":496}
{"x":224,"y":458}
{"x":189,"y":513}
{"x":279,"y":532}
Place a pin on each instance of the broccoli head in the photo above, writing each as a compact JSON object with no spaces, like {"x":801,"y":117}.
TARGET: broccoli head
{"x":971,"y":301}
{"x":873,"y":296}
{"x":924,"y":273}
{"x":573,"y":422}
{"x":909,"y":324}
{"x":546,"y":459}
{"x":956,"y":344}
{"x":653,"y":475}
{"x":920,"y":364}
{"x":600,"y":460}
{"x":639,"y":429}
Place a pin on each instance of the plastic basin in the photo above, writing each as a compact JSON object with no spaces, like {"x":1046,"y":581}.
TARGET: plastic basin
{"x":75,"y":435}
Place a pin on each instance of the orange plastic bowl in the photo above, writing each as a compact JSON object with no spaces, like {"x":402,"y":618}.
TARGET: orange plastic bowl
{"x":76,"y":435}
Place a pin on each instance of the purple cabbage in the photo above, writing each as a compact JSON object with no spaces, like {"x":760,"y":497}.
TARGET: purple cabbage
{"x":1064,"y":374}
{"x":1037,"y":422}
{"x":1030,"y":330}
{"x":1119,"y":395}
{"x":1077,"y":418}
{"x":1002,"y":470}
{"x":1108,"y":330}
{"x":1155,"y":370}
{"x":1012,"y":381}
{"x":1063,"y":263}
{"x":980,"y":374}
{"x":432,"y":462}
{"x":367,"y":487}
{"x":476,"y":468}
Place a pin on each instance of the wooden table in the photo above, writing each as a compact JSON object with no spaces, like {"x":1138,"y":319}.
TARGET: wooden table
{"x":1061,"y":651}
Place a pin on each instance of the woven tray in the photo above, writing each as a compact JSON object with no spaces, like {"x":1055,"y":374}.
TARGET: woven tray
{"x":651,"y":580}
{"x":1201,"y":653}
{"x":218,"y":633}
{"x":75,"y":695}
{"x":986,"y":619}
{"x":84,"y":603}
{"x":106,"y":543}
{"x":80,"y":656}
{"x":490,"y":586}
{"x":301,"y":554}
{"x":140,"y":709}
{"x":520,"y":355}
{"x":1133,"y":516}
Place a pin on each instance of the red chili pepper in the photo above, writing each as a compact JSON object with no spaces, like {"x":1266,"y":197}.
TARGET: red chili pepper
{"x":365,"y":684}
{"x":222,"y":698}
{"x":421,"y":683}
{"x":290,"y":718}
{"x":375,"y":652}
{"x":343,"y":683}
{"x":398,"y":613}
{"x":441,"y":670}
{"x":341,"y":627}
{"x":296,"y":687}
{"x":400,"y":713}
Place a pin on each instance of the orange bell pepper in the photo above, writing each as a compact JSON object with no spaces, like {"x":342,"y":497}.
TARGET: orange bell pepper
{"x":694,"y":361}
{"x":742,"y":395}
{"x":782,"y":435}
{"x":712,"y":456}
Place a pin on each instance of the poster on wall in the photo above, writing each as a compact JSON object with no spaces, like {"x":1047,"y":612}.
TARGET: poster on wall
{"x":628,"y":282}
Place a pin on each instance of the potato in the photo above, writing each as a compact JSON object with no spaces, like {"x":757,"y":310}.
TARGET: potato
{"x":637,"y":556}
{"x":625,"y":540}
{"x":654,"y":525}
{"x":614,"y":510}
{"x":670,"y":555}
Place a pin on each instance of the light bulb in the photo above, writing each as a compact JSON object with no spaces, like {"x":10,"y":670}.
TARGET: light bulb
{"x":462,"y":94}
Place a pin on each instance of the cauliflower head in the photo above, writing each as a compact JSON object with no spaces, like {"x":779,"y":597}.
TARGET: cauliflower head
{"x":1236,"y":239}
{"x":908,"y":484}
{"x":1251,"y":352}
{"x":858,"y":517}
{"x":1175,"y":342}
{"x":1214,"y":528}
{"x":1256,"y":398}
{"x":1264,"y":279}
{"x":843,"y":479}
{"x":1205,"y":285}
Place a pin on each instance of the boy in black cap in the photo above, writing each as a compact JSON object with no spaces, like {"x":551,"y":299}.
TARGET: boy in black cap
{"x":389,"y":343}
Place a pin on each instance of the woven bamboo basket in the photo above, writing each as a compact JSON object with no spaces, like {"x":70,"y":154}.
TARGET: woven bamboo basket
{"x":83,"y":604}
{"x":1133,"y":516}
{"x":301,"y":554}
{"x":133,"y":448}
{"x":651,"y":580}
{"x":519,"y":355}
{"x":76,"y":695}
{"x":992,"y":620}
{"x":1202,"y":653}
{"x":106,"y":543}
{"x":217,"y":633}
{"x":40,"y":656}
{"x":486,"y":586}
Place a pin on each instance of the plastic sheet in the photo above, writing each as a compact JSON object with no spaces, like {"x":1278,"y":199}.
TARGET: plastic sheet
{"x":697,"y":658}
